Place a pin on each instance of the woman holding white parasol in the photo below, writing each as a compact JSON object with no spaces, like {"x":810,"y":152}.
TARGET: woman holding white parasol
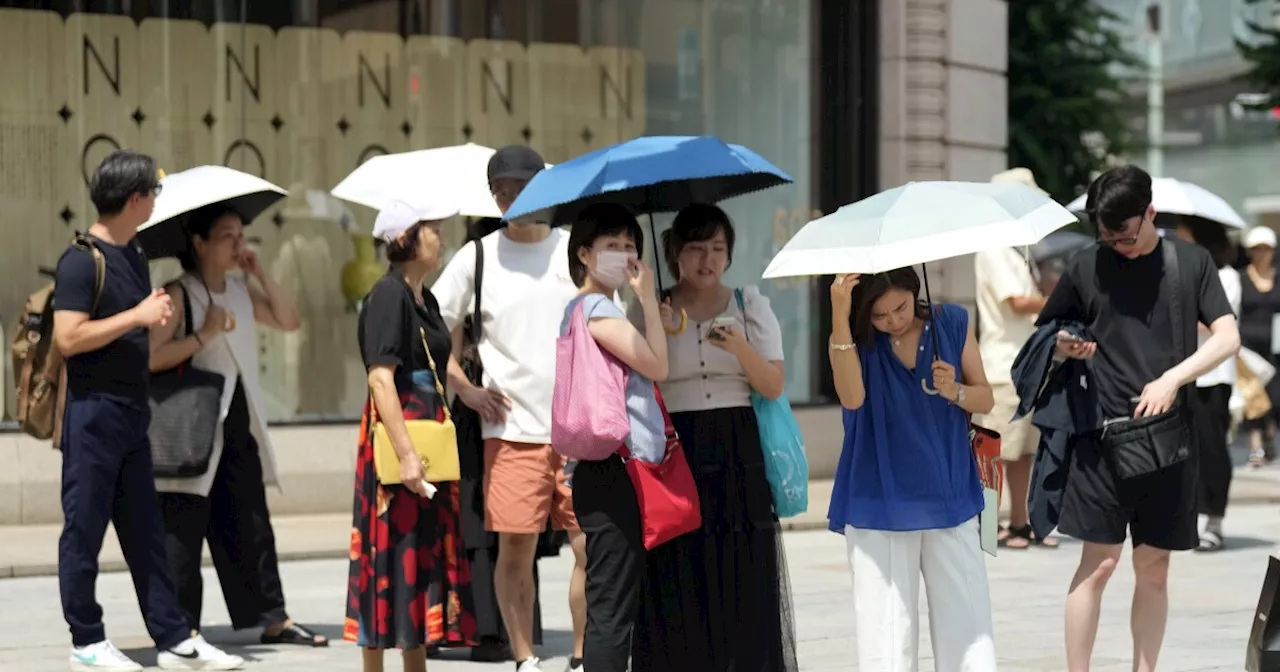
{"x":908,"y":373}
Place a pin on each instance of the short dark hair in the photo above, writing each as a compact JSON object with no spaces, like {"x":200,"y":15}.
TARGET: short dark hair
{"x":199,"y":223}
{"x":869,"y":290}
{"x":694,"y":224}
{"x":596,"y":221}
{"x":1117,"y":196}
{"x":404,"y":248}
{"x":121,"y":175}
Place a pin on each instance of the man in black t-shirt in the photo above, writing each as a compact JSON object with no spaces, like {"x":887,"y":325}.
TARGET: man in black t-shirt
{"x":106,"y":458}
{"x":1119,"y":291}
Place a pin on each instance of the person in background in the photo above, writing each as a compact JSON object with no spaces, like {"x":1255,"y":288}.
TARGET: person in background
{"x":1120,"y":291}
{"x":1211,"y":398}
{"x":228,"y":503}
{"x":718,"y":600}
{"x":1008,"y":301}
{"x":409,"y":582}
{"x":106,"y":457}
{"x":526,"y":287}
{"x":1259,"y":304}
{"x":907,"y":495}
{"x":604,"y":254}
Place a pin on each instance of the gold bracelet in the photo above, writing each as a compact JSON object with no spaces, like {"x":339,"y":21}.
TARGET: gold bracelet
{"x":841,"y":347}
{"x":684,"y":323}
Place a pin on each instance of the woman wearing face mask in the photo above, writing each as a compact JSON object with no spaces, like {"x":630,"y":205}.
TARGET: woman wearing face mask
{"x":227,"y":504}
{"x":718,"y":599}
{"x":907,"y":494}
{"x":604,"y":249}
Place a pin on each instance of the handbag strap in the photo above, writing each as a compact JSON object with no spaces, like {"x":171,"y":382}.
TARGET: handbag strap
{"x":373,"y":405}
{"x":1174,"y":280}
{"x":1173,"y":277}
{"x":742,"y":308}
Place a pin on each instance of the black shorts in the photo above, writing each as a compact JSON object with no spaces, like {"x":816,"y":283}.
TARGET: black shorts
{"x":1158,"y":510}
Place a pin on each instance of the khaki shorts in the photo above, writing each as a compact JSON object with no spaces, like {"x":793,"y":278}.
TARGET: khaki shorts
{"x":1017,"y":439}
{"x":524,"y":484}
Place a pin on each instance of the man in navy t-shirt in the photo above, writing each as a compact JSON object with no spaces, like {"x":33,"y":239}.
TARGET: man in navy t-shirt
{"x":106,"y":458}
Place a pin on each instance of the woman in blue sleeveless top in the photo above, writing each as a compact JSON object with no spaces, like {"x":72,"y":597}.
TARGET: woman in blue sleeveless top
{"x":907,"y":495}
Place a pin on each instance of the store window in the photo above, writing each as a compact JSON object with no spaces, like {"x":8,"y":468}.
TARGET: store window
{"x":302,"y":92}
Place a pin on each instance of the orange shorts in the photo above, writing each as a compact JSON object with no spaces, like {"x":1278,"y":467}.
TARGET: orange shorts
{"x":524,"y":484}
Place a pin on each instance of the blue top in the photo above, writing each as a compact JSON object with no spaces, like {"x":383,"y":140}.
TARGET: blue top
{"x":907,"y":462}
{"x":648,"y":440}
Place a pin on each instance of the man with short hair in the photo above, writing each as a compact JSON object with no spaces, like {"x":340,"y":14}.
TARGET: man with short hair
{"x":106,"y":457}
{"x":1139,"y":297}
{"x":525,"y":290}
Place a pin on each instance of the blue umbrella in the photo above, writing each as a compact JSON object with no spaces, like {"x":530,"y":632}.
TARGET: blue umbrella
{"x":648,"y":175}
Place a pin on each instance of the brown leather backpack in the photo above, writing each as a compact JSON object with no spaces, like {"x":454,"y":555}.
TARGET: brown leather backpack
{"x":38,"y":368}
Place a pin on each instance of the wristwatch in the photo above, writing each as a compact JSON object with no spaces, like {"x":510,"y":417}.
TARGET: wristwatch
{"x":959,"y":394}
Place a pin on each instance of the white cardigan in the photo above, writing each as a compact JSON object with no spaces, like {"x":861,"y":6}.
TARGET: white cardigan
{"x":234,"y":355}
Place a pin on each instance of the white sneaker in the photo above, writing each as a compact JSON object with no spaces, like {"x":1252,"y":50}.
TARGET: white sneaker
{"x":101,"y":657}
{"x":529,"y":665}
{"x":197,"y":654}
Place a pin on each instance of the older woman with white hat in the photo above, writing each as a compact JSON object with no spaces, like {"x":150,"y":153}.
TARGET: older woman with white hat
{"x":1259,"y":305}
{"x":409,"y":587}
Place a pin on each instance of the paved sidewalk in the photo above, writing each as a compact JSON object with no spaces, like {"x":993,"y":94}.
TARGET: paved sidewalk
{"x":1212,"y":602}
{"x":32,"y":550}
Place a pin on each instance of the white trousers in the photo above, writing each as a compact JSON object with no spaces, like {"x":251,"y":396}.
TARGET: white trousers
{"x":887,"y":567}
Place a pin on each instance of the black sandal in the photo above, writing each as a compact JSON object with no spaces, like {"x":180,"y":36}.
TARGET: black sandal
{"x":1027,"y":533}
{"x":297,"y":635}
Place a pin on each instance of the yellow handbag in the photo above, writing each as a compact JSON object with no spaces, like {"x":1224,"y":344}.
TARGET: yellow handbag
{"x":435,"y":442}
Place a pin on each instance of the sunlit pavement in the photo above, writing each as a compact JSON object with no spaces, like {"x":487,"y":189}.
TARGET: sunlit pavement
{"x":1213,"y":598}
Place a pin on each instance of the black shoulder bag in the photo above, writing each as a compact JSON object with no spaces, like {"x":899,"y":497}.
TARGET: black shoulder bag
{"x":186,"y":403}
{"x":1142,"y":446}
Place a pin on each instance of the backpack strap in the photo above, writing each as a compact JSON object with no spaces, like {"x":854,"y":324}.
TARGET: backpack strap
{"x":88,"y":244}
{"x":477,"y":329}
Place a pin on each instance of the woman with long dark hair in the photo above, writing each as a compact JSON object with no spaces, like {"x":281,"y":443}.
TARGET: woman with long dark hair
{"x":227,"y":504}
{"x":409,"y":583}
{"x":907,"y":494}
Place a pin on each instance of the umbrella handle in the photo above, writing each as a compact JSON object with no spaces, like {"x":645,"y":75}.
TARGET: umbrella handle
{"x":657,"y":255}
{"x":928,"y":298}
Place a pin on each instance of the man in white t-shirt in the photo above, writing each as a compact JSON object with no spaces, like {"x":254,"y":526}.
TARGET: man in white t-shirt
{"x":1008,"y":301}
{"x":524,"y":294}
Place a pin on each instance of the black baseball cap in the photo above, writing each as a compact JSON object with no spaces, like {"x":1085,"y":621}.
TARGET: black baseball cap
{"x":515,"y":161}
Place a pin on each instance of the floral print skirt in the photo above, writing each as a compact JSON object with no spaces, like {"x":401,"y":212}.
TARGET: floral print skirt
{"x":410,"y":583}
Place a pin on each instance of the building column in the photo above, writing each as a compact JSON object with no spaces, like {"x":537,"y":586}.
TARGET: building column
{"x":943,"y":104}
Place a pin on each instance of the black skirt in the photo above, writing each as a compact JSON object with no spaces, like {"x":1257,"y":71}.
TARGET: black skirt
{"x":719,"y":600}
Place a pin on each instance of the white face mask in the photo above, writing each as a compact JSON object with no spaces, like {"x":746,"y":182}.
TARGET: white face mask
{"x":611,"y":268}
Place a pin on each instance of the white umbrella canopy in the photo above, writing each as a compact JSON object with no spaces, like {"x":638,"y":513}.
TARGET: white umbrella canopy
{"x":165,"y":235}
{"x":917,"y":223}
{"x":1176,"y":197}
{"x":462,"y":169}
